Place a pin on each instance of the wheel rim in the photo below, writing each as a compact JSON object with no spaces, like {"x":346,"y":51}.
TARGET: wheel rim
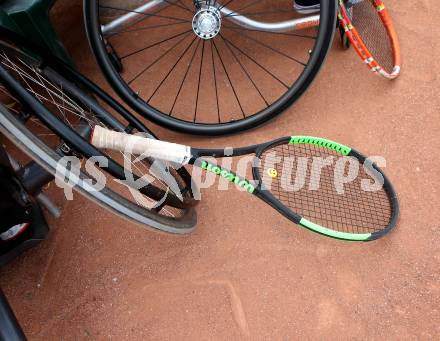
{"x":237,"y":78}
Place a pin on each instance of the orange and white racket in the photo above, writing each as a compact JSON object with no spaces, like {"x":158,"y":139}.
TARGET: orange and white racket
{"x":370,"y":30}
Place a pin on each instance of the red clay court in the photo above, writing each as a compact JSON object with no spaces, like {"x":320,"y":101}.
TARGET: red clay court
{"x":257,"y":276}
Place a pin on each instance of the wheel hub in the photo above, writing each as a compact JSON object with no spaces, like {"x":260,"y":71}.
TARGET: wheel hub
{"x":207,"y":22}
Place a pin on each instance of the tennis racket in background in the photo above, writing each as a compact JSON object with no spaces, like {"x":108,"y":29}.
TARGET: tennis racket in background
{"x":336,"y":191}
{"x":370,"y":30}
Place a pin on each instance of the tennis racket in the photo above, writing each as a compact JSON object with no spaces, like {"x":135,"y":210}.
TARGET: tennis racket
{"x":370,"y":30}
{"x":309,"y":180}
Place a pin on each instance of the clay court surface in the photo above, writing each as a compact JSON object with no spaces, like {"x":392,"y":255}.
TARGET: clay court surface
{"x":247,"y":273}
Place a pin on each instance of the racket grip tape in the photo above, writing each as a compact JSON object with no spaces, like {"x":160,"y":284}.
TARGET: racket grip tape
{"x":103,"y":138}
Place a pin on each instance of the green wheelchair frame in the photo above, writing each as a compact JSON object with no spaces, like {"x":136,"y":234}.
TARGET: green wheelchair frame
{"x":30,"y":18}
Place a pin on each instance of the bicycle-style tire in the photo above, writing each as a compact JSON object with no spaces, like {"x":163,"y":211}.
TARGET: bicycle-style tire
{"x":111,"y":58}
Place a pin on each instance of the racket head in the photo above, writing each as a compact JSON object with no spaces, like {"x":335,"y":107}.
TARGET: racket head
{"x":290,"y":180}
{"x":371,"y":31}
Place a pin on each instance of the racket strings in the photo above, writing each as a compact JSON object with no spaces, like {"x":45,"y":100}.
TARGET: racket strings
{"x":365,"y":18}
{"x":287,"y":171}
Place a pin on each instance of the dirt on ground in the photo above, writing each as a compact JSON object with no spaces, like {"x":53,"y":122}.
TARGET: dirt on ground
{"x":247,"y":273}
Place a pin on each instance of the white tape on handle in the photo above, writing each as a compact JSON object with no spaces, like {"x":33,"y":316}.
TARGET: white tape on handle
{"x":108,"y":139}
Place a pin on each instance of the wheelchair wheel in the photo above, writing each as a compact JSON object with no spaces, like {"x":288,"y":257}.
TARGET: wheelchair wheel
{"x":209,"y":67}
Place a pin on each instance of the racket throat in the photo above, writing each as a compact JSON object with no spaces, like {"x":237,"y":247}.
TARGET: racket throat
{"x":228,"y":175}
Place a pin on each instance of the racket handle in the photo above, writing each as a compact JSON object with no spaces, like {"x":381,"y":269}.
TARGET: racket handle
{"x":103,"y":138}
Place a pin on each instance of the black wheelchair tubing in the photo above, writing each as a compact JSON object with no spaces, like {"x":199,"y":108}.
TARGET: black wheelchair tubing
{"x":323,"y":44}
{"x":10,"y":329}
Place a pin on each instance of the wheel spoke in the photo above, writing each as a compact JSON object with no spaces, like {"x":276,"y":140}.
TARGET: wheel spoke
{"x":175,"y":4}
{"x":157,"y":59}
{"x":172,"y":69}
{"x":243,"y":8}
{"x":245,"y":71}
{"x":229,"y":79}
{"x":180,"y":1}
{"x":271,"y":48}
{"x":253,"y":60}
{"x":215,"y":82}
{"x":54,"y":94}
{"x":52,"y":91}
{"x":155,"y":44}
{"x":184,"y":77}
{"x":200,"y":77}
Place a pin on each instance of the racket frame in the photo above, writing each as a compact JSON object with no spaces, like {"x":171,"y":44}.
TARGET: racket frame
{"x":361,"y":48}
{"x":264,"y":194}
